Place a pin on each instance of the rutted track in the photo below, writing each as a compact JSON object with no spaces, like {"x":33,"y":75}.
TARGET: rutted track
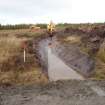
{"x":63,"y":93}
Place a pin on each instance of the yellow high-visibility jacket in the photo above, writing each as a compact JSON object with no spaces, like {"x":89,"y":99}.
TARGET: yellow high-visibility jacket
{"x":50,"y":27}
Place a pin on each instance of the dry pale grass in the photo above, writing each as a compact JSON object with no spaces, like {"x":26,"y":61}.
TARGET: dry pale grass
{"x":33,"y":76}
{"x":8,"y":47}
{"x":73,"y":39}
{"x":99,"y":70}
{"x":10,"y":51}
{"x":10,"y":41}
{"x":101,"y":53}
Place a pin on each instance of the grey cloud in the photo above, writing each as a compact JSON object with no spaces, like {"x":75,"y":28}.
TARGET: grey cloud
{"x":33,"y":8}
{"x":39,"y":6}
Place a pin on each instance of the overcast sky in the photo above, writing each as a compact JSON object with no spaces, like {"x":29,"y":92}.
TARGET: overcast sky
{"x":42,"y":11}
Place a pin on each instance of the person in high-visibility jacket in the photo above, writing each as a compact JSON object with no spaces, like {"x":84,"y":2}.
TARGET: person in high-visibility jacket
{"x":51,"y":28}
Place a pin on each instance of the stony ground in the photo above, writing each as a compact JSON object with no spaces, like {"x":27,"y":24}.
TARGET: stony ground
{"x":62,"y":93}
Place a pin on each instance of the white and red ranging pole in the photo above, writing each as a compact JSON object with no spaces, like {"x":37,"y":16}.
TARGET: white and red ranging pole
{"x":24,"y":52}
{"x":24,"y":55}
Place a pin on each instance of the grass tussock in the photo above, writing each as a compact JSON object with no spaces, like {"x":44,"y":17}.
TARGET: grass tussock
{"x":101,"y":54}
{"x":99,"y":70}
{"x":73,"y":39}
{"x":8,"y":47}
{"x":33,"y":76}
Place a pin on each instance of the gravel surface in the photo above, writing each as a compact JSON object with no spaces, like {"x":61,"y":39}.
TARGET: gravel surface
{"x":61,"y":92}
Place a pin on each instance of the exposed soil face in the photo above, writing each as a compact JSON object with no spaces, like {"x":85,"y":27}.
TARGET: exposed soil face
{"x":89,"y":40}
{"x":63,"y":93}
